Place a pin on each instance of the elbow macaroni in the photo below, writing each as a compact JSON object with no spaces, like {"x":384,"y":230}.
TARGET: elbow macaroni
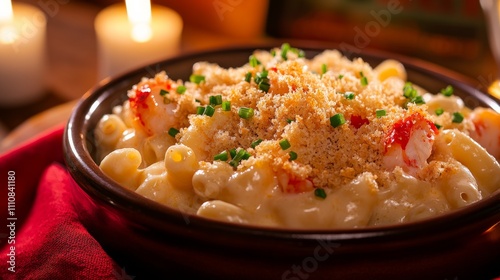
{"x":300,"y":143}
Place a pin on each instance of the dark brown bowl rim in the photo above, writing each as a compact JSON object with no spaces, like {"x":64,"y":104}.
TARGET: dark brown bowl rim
{"x":90,"y":178}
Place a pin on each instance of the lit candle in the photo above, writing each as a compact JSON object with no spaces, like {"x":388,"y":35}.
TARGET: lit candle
{"x":134,"y":35}
{"x":22,"y":53}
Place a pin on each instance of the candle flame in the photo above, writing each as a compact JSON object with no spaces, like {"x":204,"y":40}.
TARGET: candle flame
{"x":8,"y":33}
{"x":139,"y":15}
{"x":6,"y":13}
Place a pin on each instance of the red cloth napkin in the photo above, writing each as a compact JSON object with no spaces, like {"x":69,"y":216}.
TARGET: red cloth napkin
{"x":42,"y":238}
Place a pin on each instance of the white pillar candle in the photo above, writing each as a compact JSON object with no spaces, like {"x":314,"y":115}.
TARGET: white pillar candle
{"x":22,"y":53}
{"x":129,"y":41}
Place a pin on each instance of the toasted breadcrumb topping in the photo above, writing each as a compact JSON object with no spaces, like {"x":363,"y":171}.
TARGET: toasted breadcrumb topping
{"x":302,"y":97}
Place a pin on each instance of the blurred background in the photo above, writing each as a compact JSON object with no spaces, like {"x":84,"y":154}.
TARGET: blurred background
{"x":451,"y":33}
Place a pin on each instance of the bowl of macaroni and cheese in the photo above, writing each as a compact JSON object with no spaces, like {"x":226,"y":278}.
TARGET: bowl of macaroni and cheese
{"x":291,"y":161}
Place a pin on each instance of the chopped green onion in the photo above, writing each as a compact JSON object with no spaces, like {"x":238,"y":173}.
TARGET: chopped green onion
{"x":262,"y":80}
{"x":349,"y":95}
{"x":438,"y":126}
{"x":246,"y":155}
{"x":324,"y":69}
{"x":222,"y":156}
{"x":289,"y":120}
{"x":320,"y":193}
{"x":264,"y":86}
{"x":337,"y":120}
{"x":232,"y":153}
{"x":300,"y":53}
{"x":447,"y":91}
{"x":412,"y":95}
{"x":248,"y":77}
{"x":457,"y":117}
{"x":261,"y":77}
{"x":253,"y":61}
{"x":284,"y":50}
{"x":200,"y":110}
{"x":364,"y":79}
{"x":284,"y":144}
{"x":439,"y":111}
{"x":209,"y":111}
{"x":239,"y":156}
{"x":215,"y":100}
{"x":256,"y":143}
{"x":409,"y":91}
{"x":197,"y":79}
{"x":226,"y":105}
{"x":293,"y":155}
{"x":181,"y":89}
{"x":173,"y":131}
{"x":341,"y":76}
{"x":380,"y":113}
{"x":245,"y":113}
{"x":419,"y":100}
{"x":163,"y":92}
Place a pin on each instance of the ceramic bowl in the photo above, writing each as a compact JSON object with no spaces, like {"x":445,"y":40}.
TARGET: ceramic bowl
{"x":154,"y":240}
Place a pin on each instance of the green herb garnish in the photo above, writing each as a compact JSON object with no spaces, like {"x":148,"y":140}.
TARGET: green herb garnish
{"x":253,"y":61}
{"x":248,"y":77}
{"x":364,"y":79}
{"x":284,"y":50}
{"x":337,"y":120}
{"x":284,"y":144}
{"x":222,"y":156}
{"x":457,"y":117}
{"x":349,"y":95}
{"x":256,"y":143}
{"x":245,"y":113}
{"x":209,"y":110}
{"x":215,"y":100}
{"x":411,"y":94}
{"x":200,"y":110}
{"x":439,"y":111}
{"x":173,"y":131}
{"x":240,"y":155}
{"x":197,"y":79}
{"x":226,"y":105}
{"x":324,"y":69}
{"x":380,"y":113}
{"x":447,"y":91}
{"x":181,"y":89}
{"x":320,"y":193}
